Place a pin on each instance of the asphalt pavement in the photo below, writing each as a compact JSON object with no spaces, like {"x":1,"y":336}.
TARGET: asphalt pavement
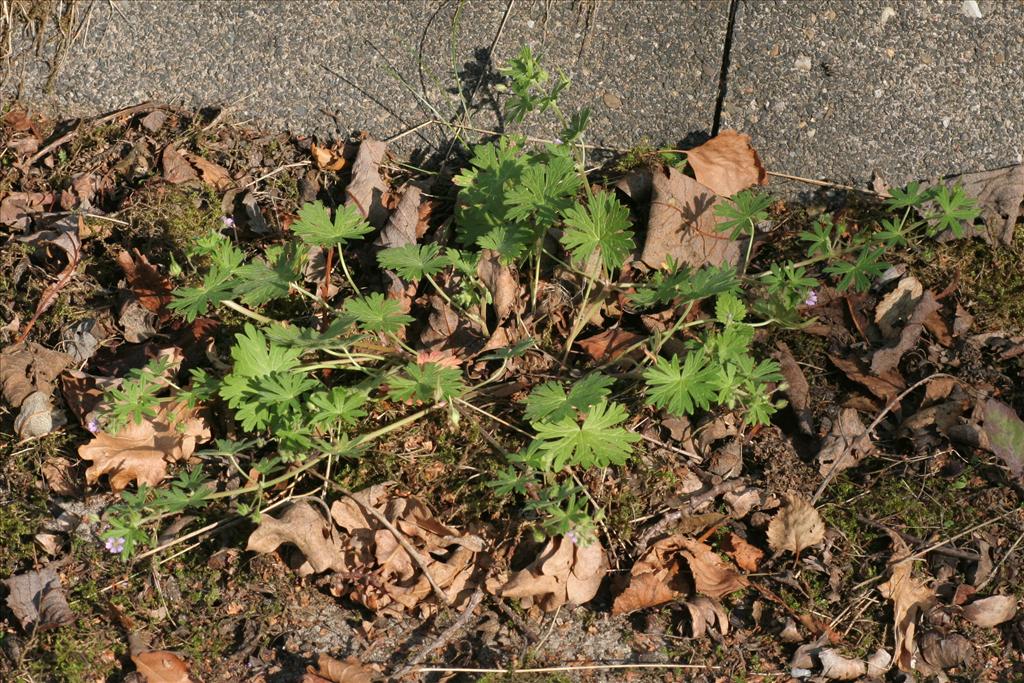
{"x":832,"y":90}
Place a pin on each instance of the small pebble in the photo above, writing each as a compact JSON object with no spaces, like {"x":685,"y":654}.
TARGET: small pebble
{"x":970,"y":9}
{"x":612,"y":101}
{"x":803,"y":63}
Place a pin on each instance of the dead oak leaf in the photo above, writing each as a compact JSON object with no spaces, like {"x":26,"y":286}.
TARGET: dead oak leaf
{"x":796,"y":526}
{"x":711,"y":575}
{"x":887,"y":359}
{"x":152,"y":289}
{"x":366,"y":189}
{"x":909,"y":597}
{"x":610,"y":345}
{"x":331,"y":670}
{"x":991,"y":611}
{"x":176,"y":168}
{"x":212,"y":174}
{"x":562,"y":572}
{"x":28,"y":368}
{"x":747,"y":556}
{"x":682,"y":224}
{"x":658,"y":577}
{"x":847,"y":443}
{"x":1000,"y":193}
{"x":36,"y":597}
{"x":305,"y":527}
{"x":727,"y":163}
{"x":161,"y":666}
{"x":141,"y":451}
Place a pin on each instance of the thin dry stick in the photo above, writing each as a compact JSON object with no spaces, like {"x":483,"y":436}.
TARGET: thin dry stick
{"x":932,"y":548}
{"x":834,"y":470}
{"x":520,"y":623}
{"x":948,"y":552}
{"x":445,"y":636}
{"x":692,"y":503}
{"x":824,"y":183}
{"x":581,"y":667}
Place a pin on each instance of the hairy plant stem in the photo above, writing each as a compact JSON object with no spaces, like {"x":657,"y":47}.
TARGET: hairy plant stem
{"x":247,"y":312}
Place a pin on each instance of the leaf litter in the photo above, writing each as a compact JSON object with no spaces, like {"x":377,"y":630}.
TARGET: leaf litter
{"x":385,"y":551}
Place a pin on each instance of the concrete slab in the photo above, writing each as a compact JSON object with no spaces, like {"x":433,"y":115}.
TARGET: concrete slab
{"x":912,"y":89}
{"x":649,"y":70}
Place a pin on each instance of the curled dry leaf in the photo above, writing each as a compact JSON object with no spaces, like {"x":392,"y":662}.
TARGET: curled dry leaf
{"x":176,"y":168}
{"x":37,"y":416}
{"x":796,"y":526}
{"x":36,"y":598}
{"x":500,"y":281}
{"x":840,"y":668}
{"x":161,"y":666}
{"x":212,"y":174}
{"x":563,"y":572}
{"x":152,"y":289}
{"x":305,"y":527}
{"x":942,"y":651}
{"x":610,"y":345}
{"x":403,"y":228}
{"x":366,"y":189}
{"x":879,"y":663}
{"x":991,"y":611}
{"x":711,"y":575}
{"x":327,"y":158}
{"x":28,"y":368}
{"x":331,"y":670}
{"x":704,"y":613}
{"x":886,"y":360}
{"x":1005,"y":432}
{"x":656,"y":578}
{"x":682,"y":224}
{"x":896,"y":307}
{"x":847,"y":443}
{"x":1000,"y":193}
{"x":886,"y":386}
{"x":909,"y":597}
{"x":748,"y":557}
{"x":797,"y":389}
{"x":727,"y":163}
{"x":140,"y":452}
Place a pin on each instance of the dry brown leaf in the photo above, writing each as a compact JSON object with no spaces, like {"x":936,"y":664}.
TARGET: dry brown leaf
{"x":349,"y":670}
{"x":305,"y":527}
{"x":999,"y":193}
{"x":656,"y":578}
{"x":683,"y":225}
{"x":37,"y":416}
{"x":212,"y":174}
{"x":18,"y":207}
{"x":609,"y":345}
{"x":562,"y":572}
{"x":896,"y":307}
{"x":140,"y":452}
{"x":887,"y":386}
{"x":36,"y":598}
{"x":942,"y":651}
{"x":500,"y":281}
{"x":797,"y":389}
{"x":326,"y":158}
{"x":27,"y":368}
{"x":727,"y":163}
{"x":746,"y":556}
{"x":712,"y":576}
{"x":796,"y":526}
{"x":991,"y":611}
{"x":705,"y":612}
{"x":838,"y":667}
{"x":175,"y":168}
{"x":366,"y":189}
{"x":403,"y":228}
{"x":847,"y":443}
{"x":161,"y":666}
{"x":879,"y":663}
{"x":909,"y":596}
{"x":885,"y":360}
{"x":152,"y":289}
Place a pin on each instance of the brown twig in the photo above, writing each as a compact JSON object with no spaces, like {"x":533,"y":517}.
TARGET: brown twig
{"x":445,"y":636}
{"x":520,"y":623}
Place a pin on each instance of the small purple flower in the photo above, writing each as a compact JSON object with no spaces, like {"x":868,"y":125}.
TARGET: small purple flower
{"x":812,"y":299}
{"x":559,"y":141}
{"x":93,"y":425}
{"x":114,"y":545}
{"x":229,"y":222}
{"x":572,"y":537}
